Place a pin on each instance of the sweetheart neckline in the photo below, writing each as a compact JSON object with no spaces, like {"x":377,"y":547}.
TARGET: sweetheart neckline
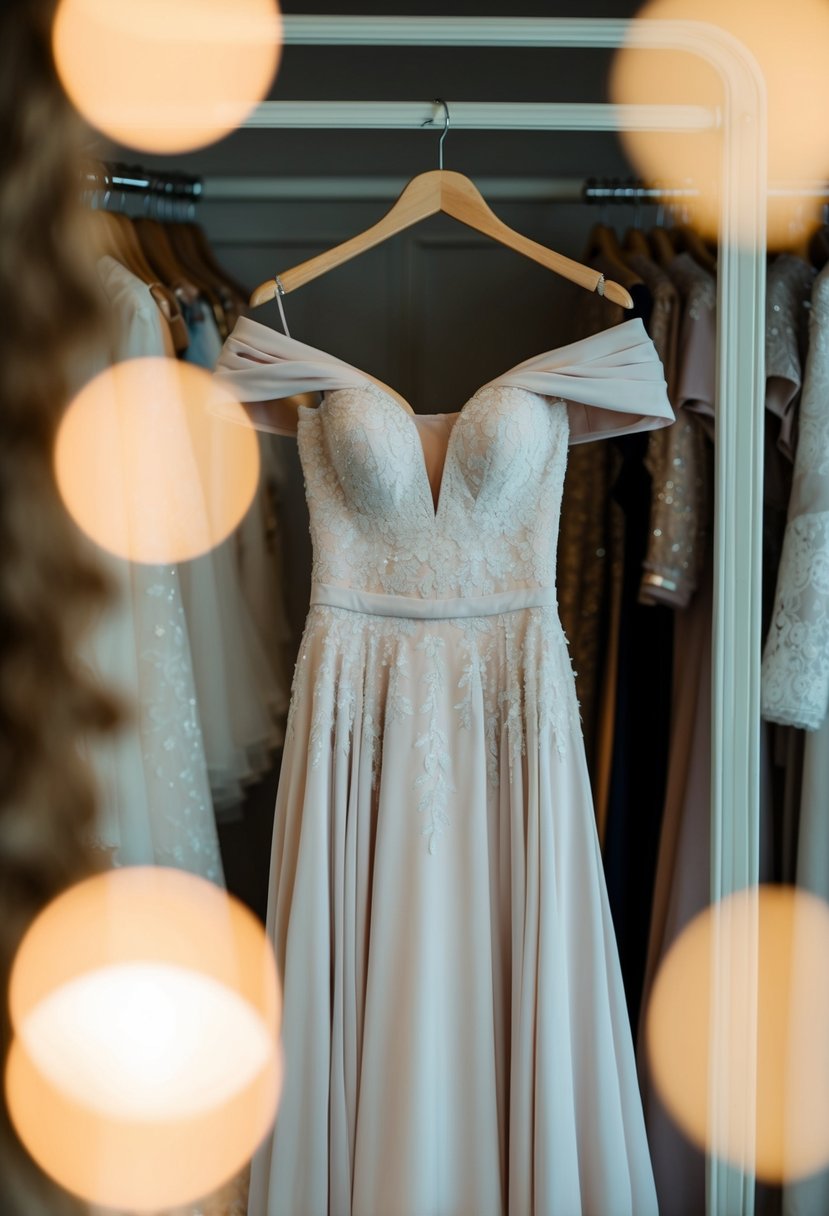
{"x":434,"y":508}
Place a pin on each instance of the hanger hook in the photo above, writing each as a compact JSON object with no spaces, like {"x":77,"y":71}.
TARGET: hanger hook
{"x":440,"y":102}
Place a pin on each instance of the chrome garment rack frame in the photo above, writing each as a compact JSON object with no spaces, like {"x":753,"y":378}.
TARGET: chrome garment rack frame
{"x":741,"y":121}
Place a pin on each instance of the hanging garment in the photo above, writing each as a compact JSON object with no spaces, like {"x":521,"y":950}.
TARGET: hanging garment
{"x":676,"y":463}
{"x":697,"y":338}
{"x":454,"y":1024}
{"x":205,"y":343}
{"x":257,"y":546}
{"x":799,"y":625}
{"x":682,"y":883}
{"x":789,"y":284}
{"x":795,"y":674}
{"x":262,"y":570}
{"x":241,"y":700}
{"x":639,"y":681}
{"x":640,"y":731}
{"x":590,"y":555}
{"x":155,"y":805}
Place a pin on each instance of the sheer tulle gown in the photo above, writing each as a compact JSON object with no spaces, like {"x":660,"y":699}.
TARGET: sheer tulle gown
{"x":454,"y":1023}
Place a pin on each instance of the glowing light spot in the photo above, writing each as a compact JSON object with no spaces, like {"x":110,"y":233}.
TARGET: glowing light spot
{"x":155,"y":462}
{"x":145,"y":1067}
{"x":789,"y":43}
{"x":704,"y":1053}
{"x":166,"y":77}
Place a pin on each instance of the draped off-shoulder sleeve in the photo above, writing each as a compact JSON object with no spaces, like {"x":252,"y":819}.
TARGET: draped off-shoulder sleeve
{"x":612,"y":382}
{"x":260,"y":366}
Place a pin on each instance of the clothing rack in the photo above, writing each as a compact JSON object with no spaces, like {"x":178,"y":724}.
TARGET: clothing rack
{"x":741,"y":124}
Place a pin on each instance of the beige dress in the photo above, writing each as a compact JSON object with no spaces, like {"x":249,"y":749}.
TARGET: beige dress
{"x":454,"y":1023}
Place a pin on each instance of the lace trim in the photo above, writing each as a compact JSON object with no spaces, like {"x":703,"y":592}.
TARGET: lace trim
{"x":795,"y":673}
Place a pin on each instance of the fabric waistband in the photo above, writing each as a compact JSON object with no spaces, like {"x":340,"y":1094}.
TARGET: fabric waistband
{"x":409,"y":606}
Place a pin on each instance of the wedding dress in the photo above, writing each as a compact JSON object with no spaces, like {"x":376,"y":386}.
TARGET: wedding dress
{"x":454,"y":1025}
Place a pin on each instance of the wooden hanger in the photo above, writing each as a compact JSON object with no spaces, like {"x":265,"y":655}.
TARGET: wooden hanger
{"x":162,"y":258}
{"x":636,"y":242}
{"x":441,"y":190}
{"x":603,"y":245}
{"x":662,"y":246}
{"x":203,"y":247}
{"x":686,"y":239}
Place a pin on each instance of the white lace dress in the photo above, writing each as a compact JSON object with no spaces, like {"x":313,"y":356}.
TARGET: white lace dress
{"x":454,"y":1023}
{"x":154,"y":798}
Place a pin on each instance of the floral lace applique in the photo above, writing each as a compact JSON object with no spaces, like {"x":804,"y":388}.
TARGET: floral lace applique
{"x":503,"y":668}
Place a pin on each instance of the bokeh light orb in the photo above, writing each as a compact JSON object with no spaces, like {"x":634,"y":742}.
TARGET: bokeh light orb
{"x":145,"y":1066}
{"x":166,"y":77}
{"x":774,"y":943}
{"x":789,"y":42}
{"x":155,"y":462}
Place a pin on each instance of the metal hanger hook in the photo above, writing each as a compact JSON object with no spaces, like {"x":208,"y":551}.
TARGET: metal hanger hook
{"x":440,"y":102}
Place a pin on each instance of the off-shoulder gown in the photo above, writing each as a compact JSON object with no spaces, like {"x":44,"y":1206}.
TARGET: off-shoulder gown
{"x":454,"y":1024}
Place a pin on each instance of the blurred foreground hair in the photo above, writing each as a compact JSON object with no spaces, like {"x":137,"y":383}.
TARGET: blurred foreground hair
{"x":48,"y":589}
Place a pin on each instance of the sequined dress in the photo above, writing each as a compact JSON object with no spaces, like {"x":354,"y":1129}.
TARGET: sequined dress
{"x":454,"y":1023}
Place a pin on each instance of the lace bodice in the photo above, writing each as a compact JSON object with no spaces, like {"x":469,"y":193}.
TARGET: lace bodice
{"x":795,"y":675}
{"x":374,"y":523}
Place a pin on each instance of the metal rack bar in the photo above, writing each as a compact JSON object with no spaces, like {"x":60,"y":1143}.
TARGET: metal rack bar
{"x":134,"y":179}
{"x":480,"y":116}
{"x":525,"y":189}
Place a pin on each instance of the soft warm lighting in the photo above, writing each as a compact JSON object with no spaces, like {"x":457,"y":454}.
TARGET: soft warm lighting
{"x":166,"y":76}
{"x":757,"y":960}
{"x":145,"y":1068}
{"x":155,"y":462}
{"x":789,"y":42}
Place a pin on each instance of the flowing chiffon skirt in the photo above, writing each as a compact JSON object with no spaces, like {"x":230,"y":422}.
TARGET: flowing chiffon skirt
{"x":455,"y":1031}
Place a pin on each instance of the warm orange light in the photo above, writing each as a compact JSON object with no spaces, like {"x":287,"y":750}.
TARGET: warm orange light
{"x":775,"y":942}
{"x":166,"y":77}
{"x":789,"y":42}
{"x":156,"y":462}
{"x":145,"y":1067}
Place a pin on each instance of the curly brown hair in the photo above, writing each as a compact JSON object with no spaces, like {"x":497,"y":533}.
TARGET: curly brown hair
{"x":48,"y":588}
